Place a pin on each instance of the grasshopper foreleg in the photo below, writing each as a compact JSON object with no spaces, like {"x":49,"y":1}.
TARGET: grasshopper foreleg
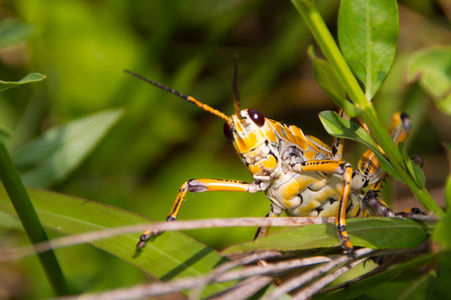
{"x":199,"y":186}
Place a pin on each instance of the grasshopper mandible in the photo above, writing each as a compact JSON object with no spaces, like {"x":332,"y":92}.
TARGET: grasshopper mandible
{"x":299,"y":173}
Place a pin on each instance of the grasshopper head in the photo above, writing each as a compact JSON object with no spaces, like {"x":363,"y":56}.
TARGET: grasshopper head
{"x":254,"y":140}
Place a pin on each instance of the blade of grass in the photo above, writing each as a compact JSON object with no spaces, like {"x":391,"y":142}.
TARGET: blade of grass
{"x":30,"y":221}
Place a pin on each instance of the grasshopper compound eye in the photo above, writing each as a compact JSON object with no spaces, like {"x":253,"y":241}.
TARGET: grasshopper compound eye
{"x":256,"y":116}
{"x":228,"y":131}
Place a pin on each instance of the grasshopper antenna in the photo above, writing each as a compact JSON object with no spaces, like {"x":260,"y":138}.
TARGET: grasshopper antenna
{"x":236,"y":94}
{"x":183,"y":96}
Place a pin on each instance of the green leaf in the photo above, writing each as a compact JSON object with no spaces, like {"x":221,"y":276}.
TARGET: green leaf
{"x":432,"y":68}
{"x":32,"y":77}
{"x":368,"y":32}
{"x":329,"y":81}
{"x":376,"y":233}
{"x":171,"y":255}
{"x":337,"y":126}
{"x":53,"y":155}
{"x":13,"y":32}
{"x":414,"y":170}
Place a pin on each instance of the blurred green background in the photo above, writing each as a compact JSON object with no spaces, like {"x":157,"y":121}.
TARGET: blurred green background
{"x":83,"y":46}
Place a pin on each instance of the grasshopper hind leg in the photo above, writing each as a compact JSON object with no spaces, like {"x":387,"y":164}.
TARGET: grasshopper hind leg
{"x":375,"y":203}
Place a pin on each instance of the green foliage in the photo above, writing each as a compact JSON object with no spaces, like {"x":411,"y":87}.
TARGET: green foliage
{"x":337,"y":126}
{"x":170,"y":256}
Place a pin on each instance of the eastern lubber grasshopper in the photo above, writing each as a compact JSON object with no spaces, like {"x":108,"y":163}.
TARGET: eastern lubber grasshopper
{"x":299,"y":173}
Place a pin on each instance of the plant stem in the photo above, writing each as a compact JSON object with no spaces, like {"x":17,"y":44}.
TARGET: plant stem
{"x":312,"y":17}
{"x":30,"y":220}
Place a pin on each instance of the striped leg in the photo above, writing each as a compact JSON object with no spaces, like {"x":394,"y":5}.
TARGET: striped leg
{"x":373,"y":201}
{"x":368,"y":165}
{"x":344,"y":169}
{"x":199,"y":186}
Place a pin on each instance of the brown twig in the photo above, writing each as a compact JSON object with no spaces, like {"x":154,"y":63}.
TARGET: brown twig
{"x":159,"y":227}
{"x":400,"y":255}
{"x":312,"y":289}
{"x":161,"y":288}
{"x":306,"y":277}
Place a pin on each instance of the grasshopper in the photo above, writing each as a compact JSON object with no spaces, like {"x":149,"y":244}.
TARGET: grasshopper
{"x":298,"y":173}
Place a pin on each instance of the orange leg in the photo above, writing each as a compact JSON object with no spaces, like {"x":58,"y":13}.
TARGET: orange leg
{"x":199,"y":186}
{"x":344,"y":169}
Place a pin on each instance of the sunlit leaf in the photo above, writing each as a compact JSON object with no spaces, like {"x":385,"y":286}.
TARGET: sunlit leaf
{"x":53,"y":155}
{"x":377,"y":233}
{"x":368,"y":32}
{"x":329,"y":81}
{"x":169,"y":256}
{"x":32,"y":77}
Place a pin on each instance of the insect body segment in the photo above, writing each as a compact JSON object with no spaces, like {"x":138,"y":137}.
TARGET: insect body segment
{"x":297,"y":172}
